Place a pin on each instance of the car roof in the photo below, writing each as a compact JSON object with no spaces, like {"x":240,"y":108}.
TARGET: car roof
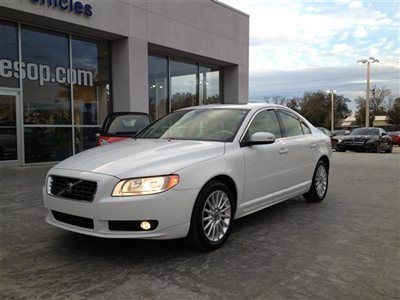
{"x":251,"y":106}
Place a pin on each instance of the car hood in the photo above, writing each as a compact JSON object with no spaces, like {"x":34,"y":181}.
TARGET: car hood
{"x":143,"y":157}
{"x":359,"y":137}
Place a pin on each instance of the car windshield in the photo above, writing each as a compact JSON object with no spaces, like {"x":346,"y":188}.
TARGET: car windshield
{"x":220,"y":125}
{"x":365,"y":131}
{"x":125,"y":125}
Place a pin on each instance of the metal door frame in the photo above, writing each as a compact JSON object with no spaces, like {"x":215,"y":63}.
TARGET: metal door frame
{"x":18,"y":119}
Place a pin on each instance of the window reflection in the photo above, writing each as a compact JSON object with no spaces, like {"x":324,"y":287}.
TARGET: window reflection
{"x":47,"y":144}
{"x":45,"y":56}
{"x":8,"y":54}
{"x":183,"y":85}
{"x":158,"y":87}
{"x":90,"y":60}
{"x":85,"y":138}
{"x":209,"y":89}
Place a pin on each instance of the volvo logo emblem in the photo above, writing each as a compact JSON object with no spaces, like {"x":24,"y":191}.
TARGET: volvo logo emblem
{"x":68,"y":188}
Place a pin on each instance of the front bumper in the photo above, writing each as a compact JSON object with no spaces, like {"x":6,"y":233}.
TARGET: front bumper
{"x":356,"y":147}
{"x":172,"y":209}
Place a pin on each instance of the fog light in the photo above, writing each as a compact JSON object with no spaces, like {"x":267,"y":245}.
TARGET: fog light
{"x":145,"y":225}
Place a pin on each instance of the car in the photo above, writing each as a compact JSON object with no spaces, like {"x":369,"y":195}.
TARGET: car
{"x":337,"y":135}
{"x":395,"y":136}
{"x":340,"y":132}
{"x":373,"y":139}
{"x":324,"y":130}
{"x":121,"y":125}
{"x":190,"y":175}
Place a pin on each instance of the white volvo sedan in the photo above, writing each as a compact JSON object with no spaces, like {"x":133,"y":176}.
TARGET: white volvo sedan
{"x":190,"y":174}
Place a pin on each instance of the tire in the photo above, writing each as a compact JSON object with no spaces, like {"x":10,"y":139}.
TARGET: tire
{"x":202,"y":235}
{"x":390,"y":150}
{"x":318,"y":192}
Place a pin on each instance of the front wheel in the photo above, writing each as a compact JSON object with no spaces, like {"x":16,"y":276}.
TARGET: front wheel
{"x":212,"y":217}
{"x":390,"y":149}
{"x":319,"y":186}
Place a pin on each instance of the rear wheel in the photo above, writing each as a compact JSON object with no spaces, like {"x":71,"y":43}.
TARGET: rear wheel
{"x":212,"y":217}
{"x":319,"y":186}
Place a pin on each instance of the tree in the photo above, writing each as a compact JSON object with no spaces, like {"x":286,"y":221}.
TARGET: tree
{"x":316,"y":107}
{"x":379,"y":103}
{"x":360,"y":114}
{"x":394,"y":113}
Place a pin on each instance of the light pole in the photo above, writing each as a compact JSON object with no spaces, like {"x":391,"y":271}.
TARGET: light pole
{"x":332,"y":92}
{"x":368,"y":61}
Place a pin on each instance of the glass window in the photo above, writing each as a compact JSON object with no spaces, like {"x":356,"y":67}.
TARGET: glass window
{"x":45,"y":57}
{"x":264,"y":121}
{"x":290,"y":123}
{"x":158,"y":87}
{"x":47,"y":144}
{"x":306,"y":129}
{"x":209,"y":85}
{"x":9,"y":62}
{"x":183,"y":85}
{"x":85,"y":138}
{"x":8,"y":128}
{"x":91,"y":80}
{"x":197,"y":124}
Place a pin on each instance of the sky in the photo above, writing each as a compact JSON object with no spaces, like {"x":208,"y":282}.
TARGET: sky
{"x":298,"y":46}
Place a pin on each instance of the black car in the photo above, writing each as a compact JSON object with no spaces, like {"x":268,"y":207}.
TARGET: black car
{"x":372,"y":139}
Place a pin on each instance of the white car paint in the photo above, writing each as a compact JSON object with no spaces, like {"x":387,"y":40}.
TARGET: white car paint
{"x":263,"y":175}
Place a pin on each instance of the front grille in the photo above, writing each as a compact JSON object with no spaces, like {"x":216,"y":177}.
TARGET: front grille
{"x":359,"y":140}
{"x":73,"y":220}
{"x":72,"y":188}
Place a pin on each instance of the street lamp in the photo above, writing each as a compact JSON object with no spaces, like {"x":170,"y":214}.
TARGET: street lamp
{"x":368,"y":61}
{"x":332,"y":92}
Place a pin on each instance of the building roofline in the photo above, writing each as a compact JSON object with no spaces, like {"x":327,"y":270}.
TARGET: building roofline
{"x":231,"y":8}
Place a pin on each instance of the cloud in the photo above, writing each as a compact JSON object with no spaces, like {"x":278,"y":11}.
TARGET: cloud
{"x":315,"y":36}
{"x":355,"y":5}
{"x":360,"y":32}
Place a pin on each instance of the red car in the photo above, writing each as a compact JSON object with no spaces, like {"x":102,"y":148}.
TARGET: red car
{"x":395,"y":135}
{"x":121,"y":125}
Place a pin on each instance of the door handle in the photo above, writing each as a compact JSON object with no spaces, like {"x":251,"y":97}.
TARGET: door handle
{"x":313,"y":145}
{"x":283,"y":151}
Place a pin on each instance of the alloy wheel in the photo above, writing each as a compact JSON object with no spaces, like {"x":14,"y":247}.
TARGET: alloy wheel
{"x":321,"y":181}
{"x":216,"y":215}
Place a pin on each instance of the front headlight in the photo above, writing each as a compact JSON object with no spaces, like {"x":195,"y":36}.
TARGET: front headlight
{"x":340,"y":141}
{"x":371,"y":141}
{"x":145,"y":186}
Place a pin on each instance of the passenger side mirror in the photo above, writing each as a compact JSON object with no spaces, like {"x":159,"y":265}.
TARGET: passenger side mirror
{"x":261,"y":138}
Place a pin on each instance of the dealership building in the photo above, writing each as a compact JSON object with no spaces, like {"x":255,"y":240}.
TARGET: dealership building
{"x":65,"y":64}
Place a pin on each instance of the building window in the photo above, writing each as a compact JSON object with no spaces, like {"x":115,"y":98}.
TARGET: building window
{"x":158,"y":87}
{"x":174,"y":84}
{"x":183,"y":85}
{"x":65,"y":89}
{"x":9,"y":55}
{"x":91,"y":82}
{"x":209,"y":85}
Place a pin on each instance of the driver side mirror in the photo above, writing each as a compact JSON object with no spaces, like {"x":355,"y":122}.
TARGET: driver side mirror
{"x":260,"y":138}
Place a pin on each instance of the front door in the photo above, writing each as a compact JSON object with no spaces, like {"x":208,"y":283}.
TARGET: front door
{"x":10,"y":131}
{"x":265,"y":167}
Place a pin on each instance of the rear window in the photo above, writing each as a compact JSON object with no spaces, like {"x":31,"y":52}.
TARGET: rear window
{"x":125,"y":125}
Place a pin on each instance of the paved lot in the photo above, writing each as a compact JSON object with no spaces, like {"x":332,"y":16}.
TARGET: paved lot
{"x":346,"y":247}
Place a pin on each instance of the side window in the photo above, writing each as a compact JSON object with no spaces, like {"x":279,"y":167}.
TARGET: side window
{"x":264,"y":121}
{"x":291,"y":124}
{"x":305,"y":128}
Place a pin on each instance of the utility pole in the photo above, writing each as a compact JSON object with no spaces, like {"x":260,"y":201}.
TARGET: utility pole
{"x":368,"y":62}
{"x":332,"y":92}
